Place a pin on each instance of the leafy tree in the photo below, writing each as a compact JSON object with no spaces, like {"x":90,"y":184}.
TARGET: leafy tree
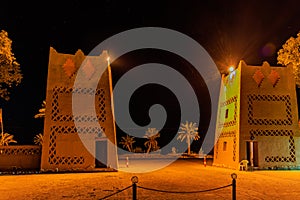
{"x":290,"y":54}
{"x":188,"y":131}
{"x":10,"y":73}
{"x":127,"y":142}
{"x":152,"y":134}
{"x":6,"y":139}
{"x":38,"y":139}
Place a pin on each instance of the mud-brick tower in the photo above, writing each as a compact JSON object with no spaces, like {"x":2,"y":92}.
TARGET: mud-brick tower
{"x":258,"y":118}
{"x":63,"y":147}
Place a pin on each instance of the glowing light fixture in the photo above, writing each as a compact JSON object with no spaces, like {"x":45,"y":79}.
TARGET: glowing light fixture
{"x":108,"y":59}
{"x":231,"y":68}
{"x":231,"y":72}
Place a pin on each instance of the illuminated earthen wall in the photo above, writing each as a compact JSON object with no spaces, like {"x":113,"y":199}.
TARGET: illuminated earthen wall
{"x":258,"y":106}
{"x":20,"y":157}
{"x":63,"y":148}
{"x":269,"y":115}
{"x":226,"y":150}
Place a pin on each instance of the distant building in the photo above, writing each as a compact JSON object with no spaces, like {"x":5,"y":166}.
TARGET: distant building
{"x":258,"y":118}
{"x":76,"y":147}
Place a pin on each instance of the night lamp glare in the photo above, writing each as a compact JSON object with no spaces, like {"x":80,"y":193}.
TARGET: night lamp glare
{"x":231,"y":69}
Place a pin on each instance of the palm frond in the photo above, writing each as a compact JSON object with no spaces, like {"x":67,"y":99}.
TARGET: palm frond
{"x":6,"y":139}
{"x":151,"y":134}
{"x":42,"y":111}
{"x":188,"y":130}
{"x":38,"y":139}
{"x":127,"y":142}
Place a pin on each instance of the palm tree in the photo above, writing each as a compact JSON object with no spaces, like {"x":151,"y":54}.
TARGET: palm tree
{"x":188,"y":132}
{"x":152,"y":134}
{"x":6,"y":138}
{"x":42,"y":111}
{"x":38,"y":139}
{"x":127,"y":142}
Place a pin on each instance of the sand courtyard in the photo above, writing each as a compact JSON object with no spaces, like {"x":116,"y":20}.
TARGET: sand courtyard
{"x":181,"y":175}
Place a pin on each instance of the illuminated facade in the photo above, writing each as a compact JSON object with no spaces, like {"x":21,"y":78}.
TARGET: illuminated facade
{"x":258,"y":118}
{"x":63,"y":147}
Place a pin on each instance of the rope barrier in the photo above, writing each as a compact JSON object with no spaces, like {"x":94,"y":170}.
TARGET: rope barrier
{"x":116,"y":192}
{"x":134,"y":187}
{"x":182,"y":192}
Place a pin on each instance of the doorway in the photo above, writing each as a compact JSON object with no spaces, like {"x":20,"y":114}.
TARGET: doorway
{"x":101,"y":154}
{"x":252,"y":153}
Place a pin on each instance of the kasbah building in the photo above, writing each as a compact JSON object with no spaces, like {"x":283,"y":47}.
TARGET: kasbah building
{"x":258,"y":118}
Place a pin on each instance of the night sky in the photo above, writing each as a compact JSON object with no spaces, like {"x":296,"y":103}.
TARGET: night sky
{"x":229,"y":30}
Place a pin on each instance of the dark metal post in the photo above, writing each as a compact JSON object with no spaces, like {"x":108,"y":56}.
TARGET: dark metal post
{"x":134,"y":181}
{"x":233,"y":176}
{"x":134,"y":191}
{"x":233,"y":189}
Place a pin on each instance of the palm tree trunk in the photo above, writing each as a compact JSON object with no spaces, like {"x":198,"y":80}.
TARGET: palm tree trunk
{"x":128,"y":147}
{"x":149,"y":148}
{"x":189,"y":144}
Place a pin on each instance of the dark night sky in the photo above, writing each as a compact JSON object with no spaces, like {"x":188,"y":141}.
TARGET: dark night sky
{"x":229,"y":30}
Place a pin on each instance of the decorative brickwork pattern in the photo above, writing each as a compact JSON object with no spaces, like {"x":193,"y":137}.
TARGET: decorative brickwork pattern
{"x":234,"y":149}
{"x":287,"y":133}
{"x":258,"y":77}
{"x":67,"y":129}
{"x":231,"y":134}
{"x":217,"y":149}
{"x":225,"y":103}
{"x":53,"y":157}
{"x":69,"y":67}
{"x":88,"y":69}
{"x":271,"y":98}
{"x":20,"y":157}
{"x":20,"y":151}
{"x":227,"y":134}
{"x":259,"y":132}
{"x":100,"y":102}
{"x":274,"y":77}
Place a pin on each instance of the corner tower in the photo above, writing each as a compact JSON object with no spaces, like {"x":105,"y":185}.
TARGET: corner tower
{"x":258,"y":118}
{"x":63,"y":148}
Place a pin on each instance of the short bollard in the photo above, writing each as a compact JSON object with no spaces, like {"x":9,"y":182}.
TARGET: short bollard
{"x":234,"y":177}
{"x":134,"y":181}
{"x":127,"y":161}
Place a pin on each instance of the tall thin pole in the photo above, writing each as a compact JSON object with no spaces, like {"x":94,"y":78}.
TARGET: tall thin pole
{"x":1,"y":121}
{"x":251,"y":155}
{"x":112,"y":149}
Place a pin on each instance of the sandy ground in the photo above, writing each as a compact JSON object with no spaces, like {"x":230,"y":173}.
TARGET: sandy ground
{"x":182,"y":175}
